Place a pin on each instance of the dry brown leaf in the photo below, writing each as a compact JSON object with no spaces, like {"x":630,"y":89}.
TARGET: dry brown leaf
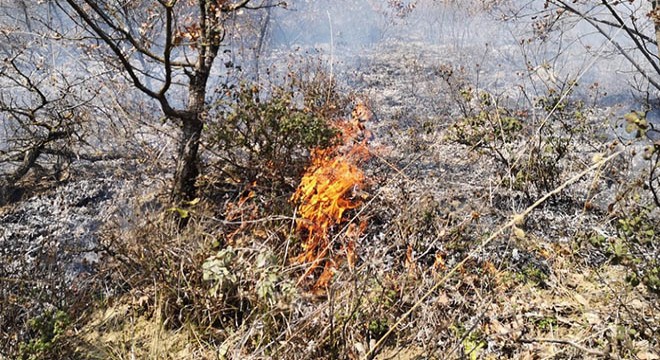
{"x":518,"y":232}
{"x":593,"y":318}
{"x":647,"y":355}
{"x":442,"y":299}
{"x":579,"y":298}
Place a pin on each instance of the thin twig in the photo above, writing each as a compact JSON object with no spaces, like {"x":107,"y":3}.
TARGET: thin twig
{"x":582,"y":348}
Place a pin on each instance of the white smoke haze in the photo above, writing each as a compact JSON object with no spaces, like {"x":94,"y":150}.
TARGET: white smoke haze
{"x":501,"y":42}
{"x":456,"y":97}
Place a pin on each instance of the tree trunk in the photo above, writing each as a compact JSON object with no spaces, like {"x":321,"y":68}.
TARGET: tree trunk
{"x":187,"y":168}
{"x":9,"y":192}
{"x":29,"y":160}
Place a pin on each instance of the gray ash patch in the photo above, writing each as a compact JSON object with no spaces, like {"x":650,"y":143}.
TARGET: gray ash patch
{"x":49,"y":243}
{"x":57,"y":229}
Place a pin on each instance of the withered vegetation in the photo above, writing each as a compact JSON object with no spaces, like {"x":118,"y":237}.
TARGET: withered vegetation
{"x":424,"y":217}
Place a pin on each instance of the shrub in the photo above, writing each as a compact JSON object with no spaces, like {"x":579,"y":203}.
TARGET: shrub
{"x":46,"y":329}
{"x":529,"y":146}
{"x":635,"y":245}
{"x":227,"y":271}
{"x":266,"y":134}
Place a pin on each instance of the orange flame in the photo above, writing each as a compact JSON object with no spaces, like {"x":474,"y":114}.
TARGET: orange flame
{"x":332,"y":185}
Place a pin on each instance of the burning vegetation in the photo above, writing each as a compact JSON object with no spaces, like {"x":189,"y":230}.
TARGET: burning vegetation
{"x":333,"y":183}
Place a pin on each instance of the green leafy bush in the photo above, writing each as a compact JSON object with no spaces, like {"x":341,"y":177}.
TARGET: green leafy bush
{"x":635,"y":245}
{"x":528,"y":145}
{"x":489,"y":128}
{"x":47,"y":328}
{"x":266,"y":134}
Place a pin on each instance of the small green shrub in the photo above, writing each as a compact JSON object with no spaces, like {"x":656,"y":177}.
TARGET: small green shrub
{"x":236,"y":276}
{"x":635,"y":245}
{"x":267,"y":133}
{"x":488,"y":128}
{"x":472,"y":343}
{"x":528,"y":146}
{"x":47,"y":329}
{"x":637,"y":125}
{"x":377,"y":328}
{"x":546,"y":323}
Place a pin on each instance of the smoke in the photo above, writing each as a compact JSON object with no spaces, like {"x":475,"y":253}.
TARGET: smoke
{"x":325,"y":24}
{"x":503,"y":43}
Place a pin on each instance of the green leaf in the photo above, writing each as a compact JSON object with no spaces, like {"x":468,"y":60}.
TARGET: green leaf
{"x":648,"y":152}
{"x":193,"y":202}
{"x":631,"y":127}
{"x":632,"y":117}
{"x":183,"y":213}
{"x":262,"y":260}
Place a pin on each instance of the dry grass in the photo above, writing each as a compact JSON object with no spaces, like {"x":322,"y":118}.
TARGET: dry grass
{"x":456,"y":261}
{"x":438,"y":276}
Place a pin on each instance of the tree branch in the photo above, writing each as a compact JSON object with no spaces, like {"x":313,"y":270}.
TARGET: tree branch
{"x":235,"y":6}
{"x":129,"y":37}
{"x":107,"y":39}
{"x":168,"y":49}
{"x":631,"y":35}
{"x":112,"y":43}
{"x":618,"y":46}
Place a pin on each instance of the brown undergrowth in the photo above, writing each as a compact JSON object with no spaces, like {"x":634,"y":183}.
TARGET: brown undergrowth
{"x":434,"y":277}
{"x":459,"y":255}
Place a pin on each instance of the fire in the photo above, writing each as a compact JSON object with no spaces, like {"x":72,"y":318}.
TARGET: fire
{"x":333,"y":184}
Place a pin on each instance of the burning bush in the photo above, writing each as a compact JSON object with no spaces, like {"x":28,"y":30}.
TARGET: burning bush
{"x":332,"y":184}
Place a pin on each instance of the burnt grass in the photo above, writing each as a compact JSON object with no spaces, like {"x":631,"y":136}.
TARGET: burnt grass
{"x":96,"y":268}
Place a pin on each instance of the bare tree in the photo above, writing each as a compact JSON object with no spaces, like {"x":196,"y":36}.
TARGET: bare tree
{"x":44,"y":102}
{"x":627,"y":25}
{"x":655,"y":16}
{"x":167,"y":50}
{"x":633,"y":28}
